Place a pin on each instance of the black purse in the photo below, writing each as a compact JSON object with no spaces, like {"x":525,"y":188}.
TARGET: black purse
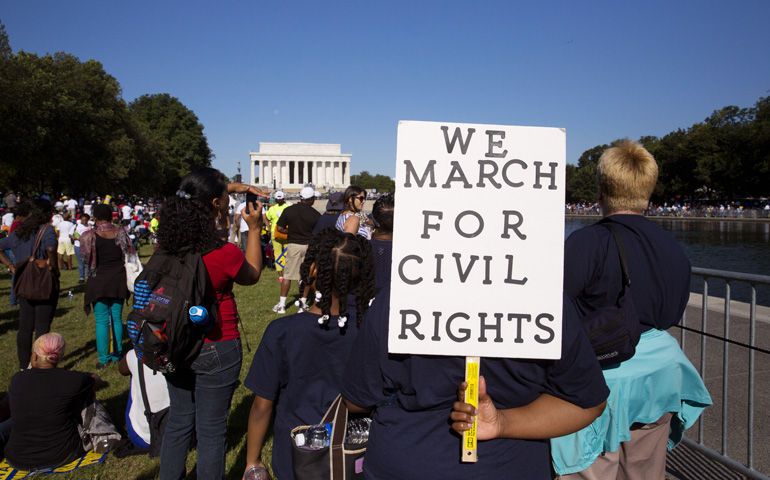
{"x":614,"y":331}
{"x":34,"y":278}
{"x":335,"y":462}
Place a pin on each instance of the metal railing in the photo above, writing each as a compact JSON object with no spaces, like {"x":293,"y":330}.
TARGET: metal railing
{"x":722,"y":455}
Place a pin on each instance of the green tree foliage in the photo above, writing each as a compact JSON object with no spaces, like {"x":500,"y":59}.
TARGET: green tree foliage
{"x":63,"y":125}
{"x":64,"y":128}
{"x":176,"y":131}
{"x":368,"y":181}
{"x":581,"y":180}
{"x":725,"y":156}
{"x":5,"y":45}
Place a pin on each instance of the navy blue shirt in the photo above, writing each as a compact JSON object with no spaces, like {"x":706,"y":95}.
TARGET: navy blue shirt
{"x":383,"y":258}
{"x":23,"y":248}
{"x":411,"y":438}
{"x":657,"y":265}
{"x":298,"y":366}
{"x":326,"y":220}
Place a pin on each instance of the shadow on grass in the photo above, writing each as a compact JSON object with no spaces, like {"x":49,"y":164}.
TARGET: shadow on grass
{"x":79,"y":354}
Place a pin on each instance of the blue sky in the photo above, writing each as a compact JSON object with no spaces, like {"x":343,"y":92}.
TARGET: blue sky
{"x":347,"y":72}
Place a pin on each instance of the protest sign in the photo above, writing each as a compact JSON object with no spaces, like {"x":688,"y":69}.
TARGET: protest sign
{"x":478,"y":241}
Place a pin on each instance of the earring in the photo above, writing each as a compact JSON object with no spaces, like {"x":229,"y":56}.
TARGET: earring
{"x":318,"y":297}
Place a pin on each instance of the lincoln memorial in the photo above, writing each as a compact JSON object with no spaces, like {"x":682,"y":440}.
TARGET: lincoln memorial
{"x":289,"y":166}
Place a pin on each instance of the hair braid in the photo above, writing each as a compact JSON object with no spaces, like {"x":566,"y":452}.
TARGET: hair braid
{"x":344,"y":264}
{"x":366,"y":279}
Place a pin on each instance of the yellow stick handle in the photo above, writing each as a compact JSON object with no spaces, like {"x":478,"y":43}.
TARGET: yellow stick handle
{"x":472,"y":365}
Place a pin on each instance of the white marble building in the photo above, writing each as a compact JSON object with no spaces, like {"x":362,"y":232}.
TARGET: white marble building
{"x":289,"y":166}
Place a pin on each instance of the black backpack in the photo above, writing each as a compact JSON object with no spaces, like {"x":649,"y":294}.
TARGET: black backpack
{"x":614,"y":331}
{"x":159,"y":324}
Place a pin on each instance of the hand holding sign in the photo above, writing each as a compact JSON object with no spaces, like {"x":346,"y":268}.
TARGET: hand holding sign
{"x":489,"y":422}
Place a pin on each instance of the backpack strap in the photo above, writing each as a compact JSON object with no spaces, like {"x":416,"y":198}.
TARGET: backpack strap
{"x":621,"y":252}
{"x":143,"y":389}
{"x":37,"y":242}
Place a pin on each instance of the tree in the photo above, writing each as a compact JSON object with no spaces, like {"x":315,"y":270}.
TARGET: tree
{"x":581,"y":180}
{"x":381,"y":183}
{"x":178,"y":135}
{"x":5,"y":46}
{"x":64,"y":127}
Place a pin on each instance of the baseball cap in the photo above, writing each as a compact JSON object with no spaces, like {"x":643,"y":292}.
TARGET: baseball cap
{"x":335,"y":202}
{"x":279,"y":195}
{"x":307,"y":193}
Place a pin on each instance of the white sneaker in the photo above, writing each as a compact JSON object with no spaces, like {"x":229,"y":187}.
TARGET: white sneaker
{"x":279,"y":308}
{"x":303,"y":307}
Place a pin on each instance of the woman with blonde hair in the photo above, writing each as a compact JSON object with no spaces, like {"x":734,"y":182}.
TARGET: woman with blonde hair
{"x":45,"y":404}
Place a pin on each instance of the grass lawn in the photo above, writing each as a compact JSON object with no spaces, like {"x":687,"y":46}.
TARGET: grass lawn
{"x":255,"y":306}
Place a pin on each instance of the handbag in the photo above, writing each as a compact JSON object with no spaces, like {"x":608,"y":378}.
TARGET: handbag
{"x":97,"y":432}
{"x":335,"y":462}
{"x":133,"y":269}
{"x":35,"y":278}
{"x":615,"y":331}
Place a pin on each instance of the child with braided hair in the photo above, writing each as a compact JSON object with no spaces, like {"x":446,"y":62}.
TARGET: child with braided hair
{"x":298,"y":366}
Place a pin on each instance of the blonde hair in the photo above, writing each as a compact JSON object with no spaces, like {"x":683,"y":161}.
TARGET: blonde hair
{"x":50,"y":347}
{"x":626,"y":175}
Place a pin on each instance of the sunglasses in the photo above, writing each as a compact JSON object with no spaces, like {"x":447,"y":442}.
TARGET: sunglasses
{"x":361,"y":197}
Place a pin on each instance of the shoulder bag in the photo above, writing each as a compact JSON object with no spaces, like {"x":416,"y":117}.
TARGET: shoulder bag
{"x":34,"y":278}
{"x":338,"y":461}
{"x":133,"y":268}
{"x":614,"y":331}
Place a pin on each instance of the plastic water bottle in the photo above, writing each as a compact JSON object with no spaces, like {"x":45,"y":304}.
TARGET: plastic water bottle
{"x":318,"y":436}
{"x":200,"y":317}
{"x":257,"y":473}
{"x":70,"y":295}
{"x":358,"y":431}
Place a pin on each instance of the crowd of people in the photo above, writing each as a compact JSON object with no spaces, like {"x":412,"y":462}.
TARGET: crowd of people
{"x":733,"y":209}
{"x":569,"y":418}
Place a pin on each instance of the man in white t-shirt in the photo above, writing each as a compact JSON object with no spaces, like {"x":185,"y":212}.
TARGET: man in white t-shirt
{"x":157,"y":396}
{"x":71,"y":204}
{"x":243,"y":227}
{"x":81,"y":227}
{"x":125,"y":211}
{"x":66,"y":249}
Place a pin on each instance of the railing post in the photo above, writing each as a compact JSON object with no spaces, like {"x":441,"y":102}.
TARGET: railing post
{"x":725,"y":363}
{"x":704,"y":316}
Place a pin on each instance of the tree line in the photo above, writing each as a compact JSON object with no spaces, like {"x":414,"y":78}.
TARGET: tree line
{"x":381,"y":183}
{"x":725,"y":157}
{"x":65,"y":128}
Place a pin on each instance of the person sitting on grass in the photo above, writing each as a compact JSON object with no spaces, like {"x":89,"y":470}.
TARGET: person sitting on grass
{"x":45,"y":404}
{"x":298,"y":366}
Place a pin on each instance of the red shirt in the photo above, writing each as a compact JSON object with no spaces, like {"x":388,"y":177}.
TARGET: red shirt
{"x":223,"y":265}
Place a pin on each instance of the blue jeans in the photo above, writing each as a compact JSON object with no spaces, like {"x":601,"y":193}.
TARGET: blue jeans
{"x":82,"y":267}
{"x":200,"y":400}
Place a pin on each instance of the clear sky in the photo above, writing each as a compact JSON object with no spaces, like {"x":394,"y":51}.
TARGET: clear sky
{"x":347,"y":72}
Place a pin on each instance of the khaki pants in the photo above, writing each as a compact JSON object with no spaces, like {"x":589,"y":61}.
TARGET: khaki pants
{"x":641,"y":458}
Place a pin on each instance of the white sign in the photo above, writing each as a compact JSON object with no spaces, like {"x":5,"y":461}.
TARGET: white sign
{"x":478,"y":243}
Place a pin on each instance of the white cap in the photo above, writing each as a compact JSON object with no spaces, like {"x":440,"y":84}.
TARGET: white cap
{"x":307,"y":193}
{"x":279,"y":195}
